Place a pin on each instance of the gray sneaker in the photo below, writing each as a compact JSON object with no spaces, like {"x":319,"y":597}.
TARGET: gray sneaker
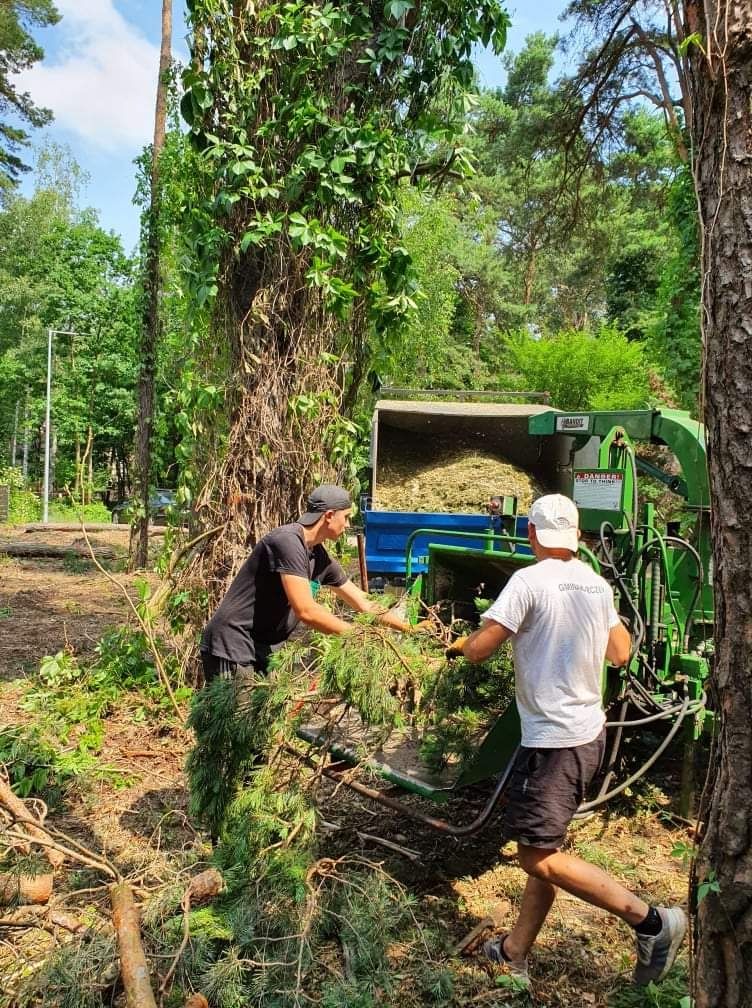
{"x":656,"y":953}
{"x":516,"y":968}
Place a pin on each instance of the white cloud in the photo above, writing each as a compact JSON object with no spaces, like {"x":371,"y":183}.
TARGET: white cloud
{"x":101,"y":82}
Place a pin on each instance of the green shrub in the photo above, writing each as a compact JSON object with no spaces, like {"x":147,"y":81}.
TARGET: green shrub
{"x":96,"y":512}
{"x":584,"y":371}
{"x":33,"y":765}
{"x":23,"y":505}
{"x":70,"y":702}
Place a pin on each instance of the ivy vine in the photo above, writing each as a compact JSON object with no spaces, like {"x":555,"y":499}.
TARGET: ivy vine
{"x":305,"y":120}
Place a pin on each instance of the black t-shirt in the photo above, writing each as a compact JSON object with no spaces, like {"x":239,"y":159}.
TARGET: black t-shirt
{"x":255,"y":613}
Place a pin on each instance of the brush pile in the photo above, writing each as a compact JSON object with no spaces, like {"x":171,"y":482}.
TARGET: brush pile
{"x":269,"y":917}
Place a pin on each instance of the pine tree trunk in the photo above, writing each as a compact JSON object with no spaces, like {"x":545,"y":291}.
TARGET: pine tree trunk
{"x":77,"y":479}
{"x":90,"y":474}
{"x":530,"y":275}
{"x":26,"y":435}
{"x":14,"y":439}
{"x":721,"y":76}
{"x":150,"y":332}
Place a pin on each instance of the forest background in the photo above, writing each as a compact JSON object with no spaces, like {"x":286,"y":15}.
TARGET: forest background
{"x":566,"y":261}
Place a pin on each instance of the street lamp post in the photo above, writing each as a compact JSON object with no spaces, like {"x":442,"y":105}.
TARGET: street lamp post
{"x":46,"y":482}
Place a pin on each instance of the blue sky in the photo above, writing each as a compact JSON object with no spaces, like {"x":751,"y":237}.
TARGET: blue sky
{"x":99,"y":78}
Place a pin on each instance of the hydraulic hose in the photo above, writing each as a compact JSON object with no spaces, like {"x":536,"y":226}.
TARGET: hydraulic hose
{"x":669,"y":712}
{"x":683,"y":544}
{"x":602,"y":799}
{"x":638,"y":624}
{"x":646,"y":697}
{"x":635,"y":497}
{"x":615,"y":744}
{"x":659,"y":541}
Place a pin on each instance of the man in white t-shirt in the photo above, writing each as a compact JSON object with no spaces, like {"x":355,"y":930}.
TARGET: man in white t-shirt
{"x":560,"y":617}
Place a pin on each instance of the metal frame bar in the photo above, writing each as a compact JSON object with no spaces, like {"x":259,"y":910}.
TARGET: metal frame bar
{"x":442,"y":825}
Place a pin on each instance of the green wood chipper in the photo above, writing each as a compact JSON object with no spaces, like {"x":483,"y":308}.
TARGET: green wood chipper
{"x":660,"y":572}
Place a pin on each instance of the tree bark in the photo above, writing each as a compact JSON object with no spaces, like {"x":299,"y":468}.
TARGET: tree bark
{"x":54,"y":552}
{"x":25,"y":454}
{"x":721,"y":79}
{"x":14,"y":439}
{"x":134,"y":969}
{"x":530,"y":275}
{"x":87,"y":470}
{"x":151,"y":329}
{"x":90,"y":527}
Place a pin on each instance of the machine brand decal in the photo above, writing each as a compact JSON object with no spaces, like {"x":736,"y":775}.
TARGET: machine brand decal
{"x":598,"y":489}
{"x":568,"y":424}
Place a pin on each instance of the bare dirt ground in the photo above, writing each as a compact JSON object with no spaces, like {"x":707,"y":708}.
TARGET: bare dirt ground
{"x":138,"y":816}
{"x":52,"y":605}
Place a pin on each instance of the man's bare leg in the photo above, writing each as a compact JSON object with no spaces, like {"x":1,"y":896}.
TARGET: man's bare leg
{"x":551,"y":868}
{"x":537,"y":900}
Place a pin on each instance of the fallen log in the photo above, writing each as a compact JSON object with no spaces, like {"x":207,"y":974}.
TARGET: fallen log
{"x":94,"y":527}
{"x":27,"y":823}
{"x":15,"y":889}
{"x":21,"y":549}
{"x":134,"y":969}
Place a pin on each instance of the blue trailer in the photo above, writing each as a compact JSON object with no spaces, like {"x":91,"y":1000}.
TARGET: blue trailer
{"x":494,"y":428}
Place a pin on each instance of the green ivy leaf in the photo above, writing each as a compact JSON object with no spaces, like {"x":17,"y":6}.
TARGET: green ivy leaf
{"x":396,"y":9}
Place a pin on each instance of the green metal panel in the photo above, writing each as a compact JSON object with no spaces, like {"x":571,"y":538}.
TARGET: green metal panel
{"x":496,"y":748}
{"x":685,"y":437}
{"x":638,"y":424}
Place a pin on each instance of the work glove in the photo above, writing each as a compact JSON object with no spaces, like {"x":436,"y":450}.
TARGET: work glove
{"x":455,"y":649}
{"x":422,"y":626}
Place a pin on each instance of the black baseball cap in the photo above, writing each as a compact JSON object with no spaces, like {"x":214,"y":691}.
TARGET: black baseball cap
{"x":327,"y":497}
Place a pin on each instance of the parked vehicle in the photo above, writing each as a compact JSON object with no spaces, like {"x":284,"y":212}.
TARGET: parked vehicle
{"x":162,"y":504}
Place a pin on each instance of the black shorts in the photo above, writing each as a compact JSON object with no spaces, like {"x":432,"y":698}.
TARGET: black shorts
{"x":546,"y":788}
{"x":243,"y":676}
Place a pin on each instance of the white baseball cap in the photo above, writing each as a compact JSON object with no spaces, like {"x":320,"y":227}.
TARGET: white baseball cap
{"x":556,"y":522}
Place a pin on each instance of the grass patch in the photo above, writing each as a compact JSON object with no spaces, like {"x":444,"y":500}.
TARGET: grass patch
{"x":601,"y":857}
{"x":670,"y":993}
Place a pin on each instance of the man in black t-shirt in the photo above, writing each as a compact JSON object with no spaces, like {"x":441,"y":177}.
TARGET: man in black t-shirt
{"x":271,"y":592}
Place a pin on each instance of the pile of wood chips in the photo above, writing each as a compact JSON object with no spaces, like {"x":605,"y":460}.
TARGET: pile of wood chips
{"x":459,"y":481}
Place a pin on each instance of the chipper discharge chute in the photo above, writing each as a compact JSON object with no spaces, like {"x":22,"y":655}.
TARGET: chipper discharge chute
{"x":659,"y":571}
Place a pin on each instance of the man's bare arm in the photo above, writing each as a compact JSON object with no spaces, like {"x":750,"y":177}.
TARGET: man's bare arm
{"x":619,"y":645}
{"x":482,"y":643}
{"x":307,"y":609}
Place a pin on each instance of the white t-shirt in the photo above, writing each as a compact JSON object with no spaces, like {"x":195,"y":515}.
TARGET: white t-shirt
{"x":560,"y":613}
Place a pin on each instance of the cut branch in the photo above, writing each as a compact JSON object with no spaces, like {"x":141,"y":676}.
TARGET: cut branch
{"x":29,"y":825}
{"x":15,"y":889}
{"x":134,"y":969}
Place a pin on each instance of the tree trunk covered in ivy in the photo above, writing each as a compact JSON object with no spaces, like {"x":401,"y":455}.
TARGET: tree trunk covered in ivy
{"x":150,"y":331}
{"x":304,"y":120}
{"x":721,"y":74}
